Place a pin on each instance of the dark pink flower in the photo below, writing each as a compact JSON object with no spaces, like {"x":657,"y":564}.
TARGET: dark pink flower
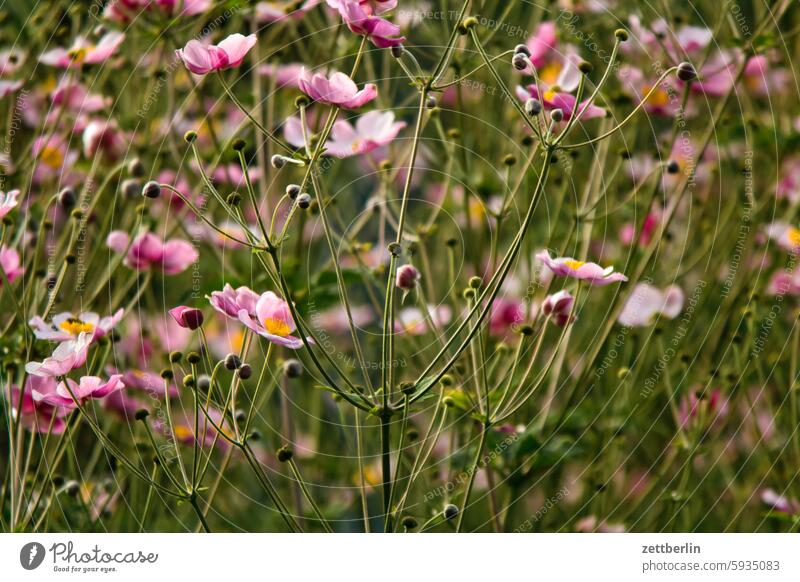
{"x":559,"y":100}
{"x":380,"y":32}
{"x":148,"y":251}
{"x":558,"y":306}
{"x":188,"y":317}
{"x":407,"y":277}
{"x":36,"y":416}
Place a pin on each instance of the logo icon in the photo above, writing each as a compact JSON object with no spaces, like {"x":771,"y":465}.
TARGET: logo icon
{"x":31,"y":555}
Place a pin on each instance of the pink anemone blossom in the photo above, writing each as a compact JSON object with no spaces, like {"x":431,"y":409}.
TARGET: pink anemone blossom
{"x":188,"y":317}
{"x":88,"y":388}
{"x":267,"y":314}
{"x":552,"y":99}
{"x":371,"y":131}
{"x":68,"y":326}
{"x":591,"y":272}
{"x":148,"y":251}
{"x":8,"y":201}
{"x":558,"y":306}
{"x":83,"y":52}
{"x":38,"y":417}
{"x":338,"y":89}
{"x":10,"y":264}
{"x":68,"y":356}
{"x":648,"y":302}
{"x":201,"y":59}
{"x":379,"y":31}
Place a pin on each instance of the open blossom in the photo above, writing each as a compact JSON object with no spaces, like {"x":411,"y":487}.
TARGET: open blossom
{"x":200,"y":58}
{"x":647,"y":302}
{"x":786,"y":235}
{"x":187,"y":317}
{"x":591,"y":272}
{"x":124,"y":11}
{"x":38,"y":417}
{"x":338,"y":89}
{"x":68,"y":326}
{"x":558,"y":306}
{"x":267,"y":314}
{"x":412,"y":320}
{"x":371,"y":7}
{"x":371,"y":131}
{"x":277,"y":10}
{"x":9,"y":87}
{"x":68,"y":356}
{"x":148,"y":251}
{"x":363,"y":21}
{"x":74,"y":97}
{"x":8,"y":201}
{"x":83,"y":52}
{"x":88,"y":388}
{"x":628,"y":230}
{"x":10,"y":263}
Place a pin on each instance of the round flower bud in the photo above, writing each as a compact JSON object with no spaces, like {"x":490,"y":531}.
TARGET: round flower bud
{"x":533,"y":107}
{"x":167,"y":374}
{"x":475,"y":282}
{"x":447,"y":380}
{"x":673,"y":167}
{"x":66,"y":198}
{"x":190,"y":136}
{"x":292,"y":368}
{"x":304,"y":200}
{"x":136,"y":168}
{"x":72,"y":488}
{"x":233,"y":199}
{"x":409,"y":522}
{"x":204,"y":383}
{"x":130,"y":188}
{"x":193,"y":358}
{"x":241,"y":415}
{"x":585,"y":67}
{"x":557,"y":115}
{"x":407,"y":277}
{"x":397,"y":51}
{"x":284,"y":454}
{"x":468,"y":293}
{"x":245,"y":371}
{"x":238,"y":144}
{"x":430,"y":102}
{"x":151,"y":190}
{"x":522,"y":49}
{"x":278,"y":161}
{"x":292,"y":191}
{"x":233,"y":362}
{"x":621,"y":34}
{"x":141,"y":414}
{"x":175,"y":357}
{"x":520,"y":62}
{"x":450,"y":511}
{"x":188,"y":381}
{"x":686,"y":72}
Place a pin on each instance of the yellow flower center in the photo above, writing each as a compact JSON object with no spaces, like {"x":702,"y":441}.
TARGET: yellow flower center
{"x":74,"y":326}
{"x":574,"y":265}
{"x":183,"y":432}
{"x":793,"y":236}
{"x":659,"y":98}
{"x":78,"y":54}
{"x":355,"y":146}
{"x":276,"y":327}
{"x":550,"y":72}
{"x":52,"y":156}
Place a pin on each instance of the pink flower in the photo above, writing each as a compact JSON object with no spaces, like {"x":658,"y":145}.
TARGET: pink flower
{"x":558,"y":100}
{"x":148,"y":251}
{"x":779,"y":502}
{"x":371,"y":7}
{"x":412,"y":320}
{"x":267,"y":314}
{"x":75,"y":97}
{"x":38,"y":417}
{"x":505,"y":315}
{"x":9,"y":87}
{"x":542,"y":43}
{"x":10,"y":61}
{"x":591,"y":272}
{"x":407,"y":277}
{"x":784,"y":282}
{"x":648,"y":302}
{"x":786,"y":235}
{"x":201,"y":59}
{"x":8,"y":200}
{"x":83,"y":52}
{"x":372,"y":130}
{"x":558,"y":306}
{"x":53,"y":156}
{"x":339,"y":89}
{"x":68,"y":356}
{"x":68,"y":326}
{"x":708,"y":405}
{"x":103,"y":136}
{"x":88,"y":388}
{"x":188,"y":317}
{"x":10,"y":263}
{"x":380,"y":32}
{"x":627,"y":232}
{"x":663,"y":101}
{"x":284,"y":75}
